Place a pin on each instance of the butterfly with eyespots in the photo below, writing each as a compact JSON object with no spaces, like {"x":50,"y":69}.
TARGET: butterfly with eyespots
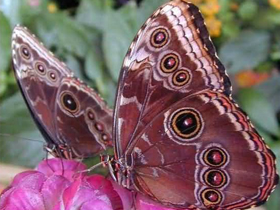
{"x":179,"y":137}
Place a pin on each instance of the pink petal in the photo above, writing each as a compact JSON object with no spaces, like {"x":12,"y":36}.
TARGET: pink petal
{"x":125,"y":195}
{"x":96,"y":205}
{"x":29,"y":179}
{"x":66,"y":168}
{"x":80,"y":193}
{"x":105,"y":186}
{"x":52,"y":190}
{"x":23,"y":199}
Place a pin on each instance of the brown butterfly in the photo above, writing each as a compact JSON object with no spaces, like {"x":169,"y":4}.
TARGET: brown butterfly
{"x":179,"y":136}
{"x":74,"y":120}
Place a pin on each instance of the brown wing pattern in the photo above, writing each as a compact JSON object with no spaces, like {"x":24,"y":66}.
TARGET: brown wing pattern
{"x":183,"y":140}
{"x":63,"y":107}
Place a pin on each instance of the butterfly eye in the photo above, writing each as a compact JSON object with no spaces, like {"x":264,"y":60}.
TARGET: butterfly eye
{"x":187,"y":123}
{"x":215,"y":178}
{"x":69,"y":102}
{"x":169,"y":63}
{"x":211,"y":197}
{"x":25,"y":52}
{"x":215,"y":157}
{"x":40,"y":67}
{"x":181,"y":78}
{"x":159,"y":37}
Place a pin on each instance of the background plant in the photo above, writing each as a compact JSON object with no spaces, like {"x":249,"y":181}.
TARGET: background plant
{"x":92,"y":37}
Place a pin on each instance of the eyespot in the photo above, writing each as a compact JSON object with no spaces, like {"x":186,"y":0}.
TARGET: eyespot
{"x":99,"y":127}
{"x":211,"y":197}
{"x":215,"y":157}
{"x":169,"y":63}
{"x":215,"y":178}
{"x":25,"y":52}
{"x":186,"y":123}
{"x":69,"y":102}
{"x":159,"y":38}
{"x":90,"y":115}
{"x":181,"y":78}
{"x":52,"y":76}
{"x":105,"y":137}
{"x":40,"y":68}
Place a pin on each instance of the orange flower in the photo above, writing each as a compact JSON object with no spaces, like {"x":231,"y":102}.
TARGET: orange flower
{"x":214,"y":26}
{"x":249,"y":78}
{"x":210,"y":8}
{"x":275,"y":4}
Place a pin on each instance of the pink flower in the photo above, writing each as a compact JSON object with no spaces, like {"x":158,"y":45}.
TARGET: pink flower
{"x":56,"y":185}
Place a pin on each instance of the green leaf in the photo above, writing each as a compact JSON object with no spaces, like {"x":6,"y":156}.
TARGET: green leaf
{"x":3,"y":82}
{"x":92,"y":13}
{"x":248,"y":10}
{"x":93,"y":66}
{"x":72,"y":36}
{"x":271,"y":90}
{"x":63,"y":32}
{"x":116,"y":41}
{"x":19,"y":136}
{"x":5,"y":42}
{"x":259,"y":109}
{"x":129,"y":14}
{"x":147,"y":8}
{"x":247,"y":51}
{"x":73,"y":64}
{"x":12,"y":10}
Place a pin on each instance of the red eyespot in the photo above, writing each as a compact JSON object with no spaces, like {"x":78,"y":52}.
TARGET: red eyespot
{"x":169,"y":63}
{"x":159,"y":38}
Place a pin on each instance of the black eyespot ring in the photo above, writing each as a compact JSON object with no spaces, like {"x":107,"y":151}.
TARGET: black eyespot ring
{"x":52,"y":75}
{"x":215,"y":178}
{"x":69,"y":102}
{"x":211,"y":197}
{"x":25,"y":52}
{"x":169,"y":63}
{"x":186,"y":123}
{"x":40,"y":68}
{"x":159,"y":38}
{"x":181,"y":78}
{"x":215,"y":157}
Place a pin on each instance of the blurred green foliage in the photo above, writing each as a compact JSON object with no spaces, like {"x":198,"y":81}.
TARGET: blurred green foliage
{"x":93,"y":38}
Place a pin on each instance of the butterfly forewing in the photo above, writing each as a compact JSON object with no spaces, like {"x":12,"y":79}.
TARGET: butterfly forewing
{"x":182,"y":139}
{"x":74,"y":120}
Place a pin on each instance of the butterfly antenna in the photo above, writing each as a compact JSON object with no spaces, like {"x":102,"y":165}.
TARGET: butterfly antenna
{"x":19,"y":137}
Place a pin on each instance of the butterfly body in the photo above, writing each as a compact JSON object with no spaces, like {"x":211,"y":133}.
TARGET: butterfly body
{"x":179,"y":136}
{"x":74,"y":120}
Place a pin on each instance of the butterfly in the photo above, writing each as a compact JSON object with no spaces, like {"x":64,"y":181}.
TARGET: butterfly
{"x":179,"y":137}
{"x":72,"y":117}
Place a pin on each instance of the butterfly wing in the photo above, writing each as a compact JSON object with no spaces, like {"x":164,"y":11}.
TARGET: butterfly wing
{"x":64,"y":108}
{"x":183,"y":140}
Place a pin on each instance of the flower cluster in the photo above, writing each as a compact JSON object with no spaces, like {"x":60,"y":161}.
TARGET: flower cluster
{"x":275,"y":4}
{"x":60,"y":185}
{"x":210,"y":9}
